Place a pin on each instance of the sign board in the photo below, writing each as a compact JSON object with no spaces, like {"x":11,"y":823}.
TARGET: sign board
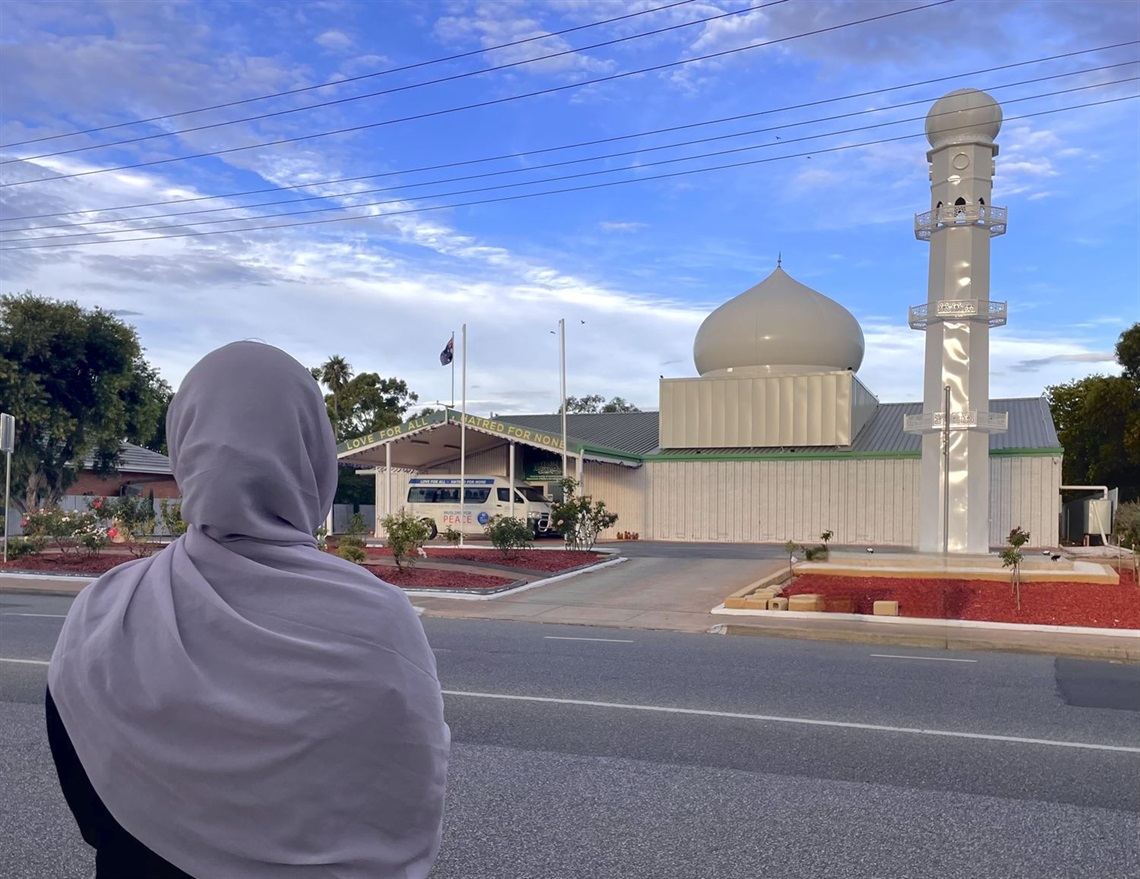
{"x":956,"y":307}
{"x":7,"y":433}
{"x":486,"y":425}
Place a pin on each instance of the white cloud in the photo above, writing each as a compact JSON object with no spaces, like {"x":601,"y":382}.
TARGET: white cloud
{"x":334,"y":41}
{"x":621,"y":226}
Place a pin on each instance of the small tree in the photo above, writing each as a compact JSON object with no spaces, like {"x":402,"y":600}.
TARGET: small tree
{"x":406,"y":537}
{"x":171,"y":514}
{"x":1127,"y":525}
{"x":509,"y":534}
{"x":70,"y":532}
{"x":452,"y":535}
{"x":133,"y":518}
{"x":351,"y":545}
{"x":579,"y":518}
{"x":790,"y":548}
{"x":1011,"y":558}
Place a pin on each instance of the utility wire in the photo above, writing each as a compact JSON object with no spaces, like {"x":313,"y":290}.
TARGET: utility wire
{"x":348,"y":79}
{"x":488,"y":103}
{"x":599,"y":141}
{"x":529,"y":195}
{"x":623,"y":154}
{"x":391,"y":91}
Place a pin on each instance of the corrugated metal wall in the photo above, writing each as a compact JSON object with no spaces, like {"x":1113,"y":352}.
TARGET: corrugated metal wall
{"x":1025,"y":491}
{"x":809,"y":409}
{"x":624,"y":491}
{"x":493,"y":462}
{"x":873,"y":501}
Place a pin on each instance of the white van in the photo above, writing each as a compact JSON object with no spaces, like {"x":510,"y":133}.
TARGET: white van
{"x":435,"y":499}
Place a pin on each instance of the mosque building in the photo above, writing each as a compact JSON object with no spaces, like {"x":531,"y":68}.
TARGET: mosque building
{"x":777,"y":438}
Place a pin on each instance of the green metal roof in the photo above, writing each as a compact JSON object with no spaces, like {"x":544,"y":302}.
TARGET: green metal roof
{"x":635,"y":435}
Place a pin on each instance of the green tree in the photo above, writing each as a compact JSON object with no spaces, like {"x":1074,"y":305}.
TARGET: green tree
{"x":1098,"y":423}
{"x":78,"y":384}
{"x":370,"y":403}
{"x":594,"y":403}
{"x":358,"y":405}
{"x":1128,"y":352}
{"x":335,"y":374}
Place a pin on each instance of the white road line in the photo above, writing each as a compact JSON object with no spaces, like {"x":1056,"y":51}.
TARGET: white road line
{"x":54,"y":616}
{"x":606,"y":640}
{"x":26,"y":661}
{"x":802,"y":721}
{"x":926,"y":658}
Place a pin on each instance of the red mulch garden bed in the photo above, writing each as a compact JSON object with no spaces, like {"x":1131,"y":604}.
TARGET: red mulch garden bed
{"x":412,"y":578}
{"x":1055,"y":604}
{"x":54,"y":563}
{"x":427,"y":578}
{"x":547,"y":561}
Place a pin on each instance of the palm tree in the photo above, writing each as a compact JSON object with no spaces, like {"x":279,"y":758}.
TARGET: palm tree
{"x":335,"y":374}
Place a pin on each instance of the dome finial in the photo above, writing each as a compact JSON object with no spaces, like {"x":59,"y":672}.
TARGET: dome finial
{"x":779,"y":258}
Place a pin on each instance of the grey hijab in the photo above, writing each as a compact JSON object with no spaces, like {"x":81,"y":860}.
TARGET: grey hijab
{"x":247,"y":706}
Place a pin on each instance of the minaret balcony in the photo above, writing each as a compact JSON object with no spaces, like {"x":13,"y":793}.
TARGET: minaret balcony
{"x":972,"y":419}
{"x":984,"y":311}
{"x":956,"y":216}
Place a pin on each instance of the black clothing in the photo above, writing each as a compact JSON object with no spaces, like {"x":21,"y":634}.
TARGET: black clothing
{"x":118,"y":855}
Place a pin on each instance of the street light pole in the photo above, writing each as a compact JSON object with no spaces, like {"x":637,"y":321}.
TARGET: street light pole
{"x":562,"y":334}
{"x":7,"y":443}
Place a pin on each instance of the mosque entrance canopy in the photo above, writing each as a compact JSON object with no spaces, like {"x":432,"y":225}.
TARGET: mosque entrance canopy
{"x":435,"y":439}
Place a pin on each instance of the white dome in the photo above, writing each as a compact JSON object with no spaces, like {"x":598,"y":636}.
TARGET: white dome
{"x":779,"y":326}
{"x":964,"y":116}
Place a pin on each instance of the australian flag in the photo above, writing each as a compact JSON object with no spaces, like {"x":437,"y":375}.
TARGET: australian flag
{"x":448,"y":353}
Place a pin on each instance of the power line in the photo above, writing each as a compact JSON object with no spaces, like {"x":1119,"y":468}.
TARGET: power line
{"x":599,"y":141}
{"x":488,"y":103}
{"x":391,"y":91}
{"x":555,"y":179}
{"x":529,"y":195}
{"x":530,"y":169}
{"x":348,"y":79}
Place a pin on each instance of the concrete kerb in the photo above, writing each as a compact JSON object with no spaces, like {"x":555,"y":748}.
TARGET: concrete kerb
{"x":514,"y":590}
{"x":1085,"y":647}
{"x":869,"y":620}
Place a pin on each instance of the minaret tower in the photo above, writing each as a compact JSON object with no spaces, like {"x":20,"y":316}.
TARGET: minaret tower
{"x":954,"y":482}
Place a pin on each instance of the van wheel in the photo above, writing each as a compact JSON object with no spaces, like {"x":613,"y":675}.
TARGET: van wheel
{"x":433,"y":532}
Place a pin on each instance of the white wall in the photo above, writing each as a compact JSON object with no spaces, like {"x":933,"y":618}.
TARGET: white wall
{"x":624,"y":491}
{"x":1025,"y":491}
{"x":863,"y":501}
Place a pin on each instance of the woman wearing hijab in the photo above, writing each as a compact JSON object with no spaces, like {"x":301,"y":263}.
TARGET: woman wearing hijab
{"x":242,"y":705}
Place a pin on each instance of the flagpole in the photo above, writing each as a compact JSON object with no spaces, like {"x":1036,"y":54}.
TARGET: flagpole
{"x":562,"y":333}
{"x":463,"y":445}
{"x":453,"y":369}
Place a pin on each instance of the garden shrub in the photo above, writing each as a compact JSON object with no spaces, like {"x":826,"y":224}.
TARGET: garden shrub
{"x":508,"y":534}
{"x":579,"y":518}
{"x":406,"y":537}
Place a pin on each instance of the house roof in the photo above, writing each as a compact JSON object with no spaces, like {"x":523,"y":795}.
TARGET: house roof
{"x":136,"y":459}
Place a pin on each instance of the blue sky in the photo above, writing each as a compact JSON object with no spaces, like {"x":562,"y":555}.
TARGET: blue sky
{"x":633,"y":268}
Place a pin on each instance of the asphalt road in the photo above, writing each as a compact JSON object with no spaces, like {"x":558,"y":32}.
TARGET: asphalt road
{"x":656,"y":754}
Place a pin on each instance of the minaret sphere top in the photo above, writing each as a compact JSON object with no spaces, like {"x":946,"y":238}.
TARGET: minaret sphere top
{"x":963,"y":116}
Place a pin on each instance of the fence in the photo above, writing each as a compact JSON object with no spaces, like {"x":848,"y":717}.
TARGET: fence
{"x":342,"y":515}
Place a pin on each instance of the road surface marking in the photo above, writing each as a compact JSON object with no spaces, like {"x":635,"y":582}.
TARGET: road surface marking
{"x":26,"y":661}
{"x":802,"y":721}
{"x":607,"y":640}
{"x":54,"y":616}
{"x":927,"y":658}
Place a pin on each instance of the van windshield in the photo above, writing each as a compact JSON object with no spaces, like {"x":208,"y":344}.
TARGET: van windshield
{"x":531,"y":493}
